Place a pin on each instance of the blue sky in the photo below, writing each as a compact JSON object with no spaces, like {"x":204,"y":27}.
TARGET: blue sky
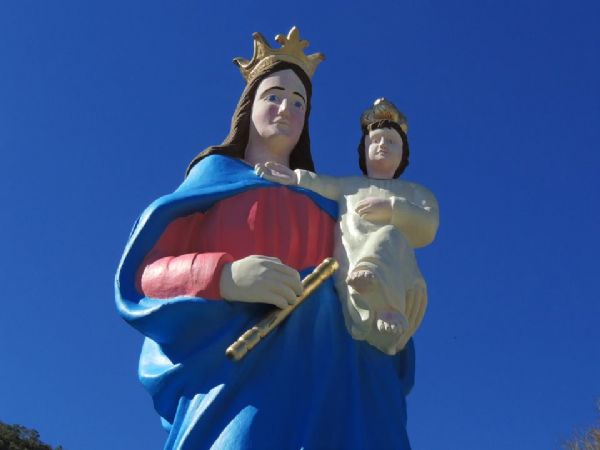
{"x":103,"y":104}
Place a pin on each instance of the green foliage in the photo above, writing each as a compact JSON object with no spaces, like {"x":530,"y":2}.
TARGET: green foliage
{"x":587,"y":441}
{"x":17,"y":437}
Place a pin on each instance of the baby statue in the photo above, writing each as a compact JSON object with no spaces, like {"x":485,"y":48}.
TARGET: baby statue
{"x":381,"y":220}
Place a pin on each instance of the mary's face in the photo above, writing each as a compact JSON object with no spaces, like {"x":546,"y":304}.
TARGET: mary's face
{"x":278,"y":112}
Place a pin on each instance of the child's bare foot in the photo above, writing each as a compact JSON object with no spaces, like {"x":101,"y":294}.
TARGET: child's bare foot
{"x":361,"y":280}
{"x":391,"y":322}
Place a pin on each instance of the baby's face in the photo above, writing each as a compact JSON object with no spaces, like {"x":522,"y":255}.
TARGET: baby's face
{"x":383,"y":149}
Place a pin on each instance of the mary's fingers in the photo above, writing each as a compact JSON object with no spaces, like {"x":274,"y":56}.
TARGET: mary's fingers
{"x":284,"y":292}
{"x":281,"y":177}
{"x":267,"y":175}
{"x":274,"y":299}
{"x":292,"y":282}
{"x":275,"y":177}
{"x":274,"y":165}
{"x":266,"y":259}
{"x":280,"y":267}
{"x":279,"y":168}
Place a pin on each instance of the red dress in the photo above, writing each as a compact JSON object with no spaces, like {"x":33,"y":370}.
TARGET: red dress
{"x":188,"y":258}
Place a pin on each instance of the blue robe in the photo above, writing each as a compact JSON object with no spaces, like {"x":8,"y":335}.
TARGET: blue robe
{"x":307,"y":385}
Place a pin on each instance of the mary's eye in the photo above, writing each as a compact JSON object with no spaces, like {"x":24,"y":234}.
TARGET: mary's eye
{"x":272,"y":98}
{"x":298,"y":104}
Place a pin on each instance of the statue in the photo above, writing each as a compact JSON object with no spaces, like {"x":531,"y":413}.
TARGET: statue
{"x":206,"y":262}
{"x":382,"y":219}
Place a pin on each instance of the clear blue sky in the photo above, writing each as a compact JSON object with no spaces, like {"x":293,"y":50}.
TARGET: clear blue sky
{"x":103,"y":104}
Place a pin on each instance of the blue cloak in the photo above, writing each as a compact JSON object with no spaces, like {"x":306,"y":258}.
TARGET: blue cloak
{"x":308,"y":385}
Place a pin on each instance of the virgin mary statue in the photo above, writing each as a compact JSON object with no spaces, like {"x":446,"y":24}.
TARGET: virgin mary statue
{"x":206,"y":262}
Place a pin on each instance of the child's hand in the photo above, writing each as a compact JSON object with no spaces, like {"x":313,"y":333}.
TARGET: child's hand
{"x":276,"y":172}
{"x":375,"y":209}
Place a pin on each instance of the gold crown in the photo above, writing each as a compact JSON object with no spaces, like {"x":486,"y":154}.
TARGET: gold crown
{"x":292,"y":50}
{"x":383,"y":109}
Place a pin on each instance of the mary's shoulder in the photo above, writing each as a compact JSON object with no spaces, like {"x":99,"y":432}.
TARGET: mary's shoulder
{"x":217,"y":161}
{"x":217,"y":169}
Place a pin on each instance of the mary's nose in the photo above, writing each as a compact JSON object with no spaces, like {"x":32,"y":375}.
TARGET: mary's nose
{"x":284,"y":107}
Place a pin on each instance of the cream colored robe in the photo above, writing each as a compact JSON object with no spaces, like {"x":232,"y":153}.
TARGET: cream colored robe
{"x":385,"y":249}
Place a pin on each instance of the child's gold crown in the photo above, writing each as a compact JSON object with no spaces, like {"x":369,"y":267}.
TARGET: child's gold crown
{"x":383,"y":109}
{"x":292,"y":50}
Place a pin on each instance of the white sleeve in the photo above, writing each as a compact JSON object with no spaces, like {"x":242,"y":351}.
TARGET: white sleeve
{"x":417,"y":215}
{"x":324,"y":185}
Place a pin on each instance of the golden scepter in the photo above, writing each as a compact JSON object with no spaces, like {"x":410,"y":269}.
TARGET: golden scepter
{"x":253,"y":336}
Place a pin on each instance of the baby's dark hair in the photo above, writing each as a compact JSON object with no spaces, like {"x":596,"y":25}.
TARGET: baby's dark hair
{"x":362,"y":158}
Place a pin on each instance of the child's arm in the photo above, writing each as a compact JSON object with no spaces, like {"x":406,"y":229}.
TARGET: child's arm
{"x":417,"y":215}
{"x":324,"y":185}
{"x":321,"y":184}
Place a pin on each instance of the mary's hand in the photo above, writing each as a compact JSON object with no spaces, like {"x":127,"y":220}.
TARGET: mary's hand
{"x":276,"y":172}
{"x":375,"y":209}
{"x":260,"y":279}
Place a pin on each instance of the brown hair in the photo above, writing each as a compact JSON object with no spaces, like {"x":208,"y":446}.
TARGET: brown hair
{"x":236,"y":141}
{"x":362,"y":159}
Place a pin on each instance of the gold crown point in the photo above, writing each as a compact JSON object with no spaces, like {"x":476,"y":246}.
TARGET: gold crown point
{"x":292,"y":51}
{"x":260,"y":43}
{"x":240,"y":61}
{"x":292,"y":38}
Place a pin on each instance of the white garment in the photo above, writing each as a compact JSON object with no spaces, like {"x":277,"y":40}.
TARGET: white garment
{"x":384,"y":249}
